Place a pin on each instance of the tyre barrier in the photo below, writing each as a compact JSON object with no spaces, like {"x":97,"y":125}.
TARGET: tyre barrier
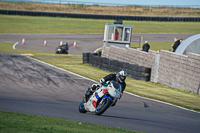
{"x":96,"y":16}
{"x":133,"y":70}
{"x":86,"y":58}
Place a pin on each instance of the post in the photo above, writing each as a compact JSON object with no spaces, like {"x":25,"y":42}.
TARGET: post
{"x":141,"y":40}
{"x":155,"y":76}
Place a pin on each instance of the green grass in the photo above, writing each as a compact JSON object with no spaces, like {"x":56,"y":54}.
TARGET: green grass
{"x":25,"y":123}
{"x":74,"y":64}
{"x":29,"y":24}
{"x":156,"y":45}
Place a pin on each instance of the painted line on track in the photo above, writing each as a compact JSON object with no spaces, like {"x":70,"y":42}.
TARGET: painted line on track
{"x":60,"y":68}
{"x":97,"y":49}
{"x":124,"y":91}
{"x":15,"y":45}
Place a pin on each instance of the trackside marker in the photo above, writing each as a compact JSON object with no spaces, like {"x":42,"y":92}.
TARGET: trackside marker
{"x":23,"y":41}
{"x":61,"y":43}
{"x":74,"y":43}
{"x":45,"y":42}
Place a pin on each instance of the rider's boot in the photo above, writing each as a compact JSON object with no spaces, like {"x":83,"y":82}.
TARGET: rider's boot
{"x":88,"y":93}
{"x":114,"y":103}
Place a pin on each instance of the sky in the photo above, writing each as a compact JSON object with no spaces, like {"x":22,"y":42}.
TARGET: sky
{"x":145,"y":2}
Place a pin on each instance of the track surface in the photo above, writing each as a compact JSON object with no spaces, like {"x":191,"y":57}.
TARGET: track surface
{"x":85,"y":42}
{"x":29,"y":86}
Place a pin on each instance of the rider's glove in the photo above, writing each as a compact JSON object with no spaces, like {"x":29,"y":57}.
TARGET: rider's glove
{"x":102,"y":80}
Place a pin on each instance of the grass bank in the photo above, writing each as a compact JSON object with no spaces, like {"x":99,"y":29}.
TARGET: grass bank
{"x":29,"y":24}
{"x":25,"y":123}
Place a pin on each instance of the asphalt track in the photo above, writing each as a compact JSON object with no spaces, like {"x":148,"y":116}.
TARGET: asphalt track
{"x":32,"y":87}
{"x":85,"y":42}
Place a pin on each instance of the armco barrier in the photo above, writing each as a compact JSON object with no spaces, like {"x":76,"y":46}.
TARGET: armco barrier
{"x":134,"y":71}
{"x":96,"y":16}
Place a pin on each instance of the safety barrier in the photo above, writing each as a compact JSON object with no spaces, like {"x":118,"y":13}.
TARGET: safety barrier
{"x":134,"y":71}
{"x":96,"y":16}
{"x":168,"y":68}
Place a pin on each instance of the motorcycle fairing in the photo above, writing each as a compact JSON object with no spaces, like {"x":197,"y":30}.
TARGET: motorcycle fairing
{"x":91,"y":104}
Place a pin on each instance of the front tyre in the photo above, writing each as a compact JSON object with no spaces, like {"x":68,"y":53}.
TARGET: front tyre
{"x":103,"y":105}
{"x":81,"y":107}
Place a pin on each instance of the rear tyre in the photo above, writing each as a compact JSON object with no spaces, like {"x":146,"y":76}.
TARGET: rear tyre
{"x":103,"y":105}
{"x":81,"y":107}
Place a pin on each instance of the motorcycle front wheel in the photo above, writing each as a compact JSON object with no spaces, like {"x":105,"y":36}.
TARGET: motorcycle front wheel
{"x":81,"y":107}
{"x":103,"y":105}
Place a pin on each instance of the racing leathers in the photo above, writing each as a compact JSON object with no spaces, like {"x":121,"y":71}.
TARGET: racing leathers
{"x":112,"y":77}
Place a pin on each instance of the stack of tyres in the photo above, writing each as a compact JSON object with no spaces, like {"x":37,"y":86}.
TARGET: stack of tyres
{"x":134,"y":71}
{"x":125,"y":66}
{"x":115,"y":65}
{"x":105,"y":64}
{"x":112,"y":66}
{"x":98,"y":61}
{"x":129,"y":66}
{"x":140,"y":72}
{"x":91,"y":60}
{"x":145,"y":73}
{"x":86,"y":58}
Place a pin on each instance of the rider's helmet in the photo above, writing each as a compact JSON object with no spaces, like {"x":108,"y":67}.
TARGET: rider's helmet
{"x":121,"y":76}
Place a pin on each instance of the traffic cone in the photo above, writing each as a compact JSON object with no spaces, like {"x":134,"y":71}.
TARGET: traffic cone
{"x":23,"y":41}
{"x":45,"y":42}
{"x":61,"y":43}
{"x":74,"y":43}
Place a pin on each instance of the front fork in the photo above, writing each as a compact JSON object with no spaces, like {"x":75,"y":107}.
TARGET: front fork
{"x":114,"y":102}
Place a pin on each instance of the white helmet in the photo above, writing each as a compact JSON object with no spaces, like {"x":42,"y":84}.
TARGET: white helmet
{"x":121,"y":76}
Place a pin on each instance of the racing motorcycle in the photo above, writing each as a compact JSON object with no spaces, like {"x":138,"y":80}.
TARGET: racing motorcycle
{"x":106,"y":96}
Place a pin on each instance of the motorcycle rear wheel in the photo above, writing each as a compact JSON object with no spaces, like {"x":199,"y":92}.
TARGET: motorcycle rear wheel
{"x":81,"y":107}
{"x":103,"y":105}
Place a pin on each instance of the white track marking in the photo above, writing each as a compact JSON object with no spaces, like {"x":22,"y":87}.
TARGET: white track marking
{"x":15,"y":45}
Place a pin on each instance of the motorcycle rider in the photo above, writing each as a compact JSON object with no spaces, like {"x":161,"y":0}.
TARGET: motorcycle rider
{"x":120,"y":77}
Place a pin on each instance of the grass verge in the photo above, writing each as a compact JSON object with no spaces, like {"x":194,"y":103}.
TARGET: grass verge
{"x":11,"y":122}
{"x":29,"y":24}
{"x":156,"y":46}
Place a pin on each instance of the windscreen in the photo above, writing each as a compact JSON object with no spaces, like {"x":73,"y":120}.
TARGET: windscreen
{"x":116,"y":85}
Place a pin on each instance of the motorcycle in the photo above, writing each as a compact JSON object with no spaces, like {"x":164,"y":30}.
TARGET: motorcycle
{"x":106,"y":96}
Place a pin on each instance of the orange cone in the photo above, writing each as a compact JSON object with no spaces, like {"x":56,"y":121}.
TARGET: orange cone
{"x":23,"y":41}
{"x":61,"y":43}
{"x":74,"y":43}
{"x":45,"y":42}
